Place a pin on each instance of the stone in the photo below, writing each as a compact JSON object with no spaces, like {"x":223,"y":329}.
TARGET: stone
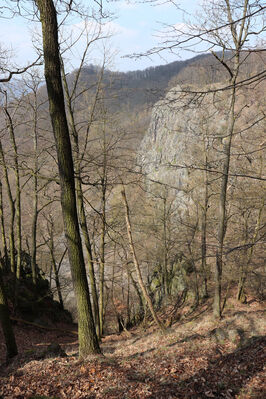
{"x":53,"y":350}
{"x":219,"y":335}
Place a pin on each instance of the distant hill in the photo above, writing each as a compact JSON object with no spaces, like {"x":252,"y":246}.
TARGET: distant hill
{"x":136,"y":88}
{"x":130,"y":91}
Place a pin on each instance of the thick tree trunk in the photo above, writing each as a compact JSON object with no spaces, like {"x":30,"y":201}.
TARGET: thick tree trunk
{"x":88,"y":342}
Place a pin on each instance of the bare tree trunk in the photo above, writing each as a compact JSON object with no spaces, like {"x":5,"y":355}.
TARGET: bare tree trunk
{"x":239,"y":36}
{"x":135,"y":286}
{"x":18,"y":192}
{"x":79,"y":192}
{"x":136,"y":264}
{"x":204,"y":231}
{"x":3,"y":231}
{"x":128,"y":321}
{"x":245,"y":269}
{"x":57,"y":281}
{"x":6,"y":322}
{"x":165,"y":254}
{"x":196,"y":284}
{"x":34,"y":231}
{"x":12,"y":213}
{"x":54,"y":268}
{"x":141,"y":302}
{"x":87,"y":242}
{"x":35,"y":196}
{"x":217,"y":307}
{"x":102,"y":260}
{"x":88,"y":342}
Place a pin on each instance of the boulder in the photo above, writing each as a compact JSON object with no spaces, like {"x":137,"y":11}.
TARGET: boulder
{"x":52,"y":351}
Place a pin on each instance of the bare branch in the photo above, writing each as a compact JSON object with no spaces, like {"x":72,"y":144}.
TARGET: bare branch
{"x":19,"y":71}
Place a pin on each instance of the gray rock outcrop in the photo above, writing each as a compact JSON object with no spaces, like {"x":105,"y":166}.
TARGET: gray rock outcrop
{"x":173,"y":147}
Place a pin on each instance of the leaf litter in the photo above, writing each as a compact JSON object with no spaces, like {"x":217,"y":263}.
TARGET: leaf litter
{"x":184,"y":363}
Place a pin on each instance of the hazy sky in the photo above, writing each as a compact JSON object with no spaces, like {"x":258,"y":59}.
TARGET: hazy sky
{"x":135,"y":26}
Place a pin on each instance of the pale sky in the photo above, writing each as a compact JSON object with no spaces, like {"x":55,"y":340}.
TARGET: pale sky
{"x":135,"y":26}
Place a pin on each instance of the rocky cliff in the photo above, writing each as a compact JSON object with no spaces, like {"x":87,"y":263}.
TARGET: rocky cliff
{"x":181,"y":128}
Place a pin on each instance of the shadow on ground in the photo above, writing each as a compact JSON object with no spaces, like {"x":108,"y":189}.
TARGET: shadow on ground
{"x":224,"y":377}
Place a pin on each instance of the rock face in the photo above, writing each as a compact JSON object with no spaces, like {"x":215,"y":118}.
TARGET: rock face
{"x":170,"y":152}
{"x":173,"y":147}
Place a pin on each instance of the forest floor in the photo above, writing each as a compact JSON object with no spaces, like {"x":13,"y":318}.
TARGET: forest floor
{"x":196,"y":358}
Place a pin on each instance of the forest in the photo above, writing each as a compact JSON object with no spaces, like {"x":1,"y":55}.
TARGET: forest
{"x":132,"y":211}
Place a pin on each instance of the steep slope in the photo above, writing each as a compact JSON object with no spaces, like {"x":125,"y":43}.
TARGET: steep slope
{"x":172,"y":143}
{"x":193,"y":110}
{"x":170,"y":151}
{"x":186,"y":362}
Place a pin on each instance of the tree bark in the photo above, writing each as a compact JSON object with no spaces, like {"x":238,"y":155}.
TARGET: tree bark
{"x":88,"y":342}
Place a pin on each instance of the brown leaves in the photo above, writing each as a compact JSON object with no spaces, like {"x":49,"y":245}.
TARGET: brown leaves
{"x":180,"y":364}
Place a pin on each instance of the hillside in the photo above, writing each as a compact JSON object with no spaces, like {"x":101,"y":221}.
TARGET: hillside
{"x":131,"y":91}
{"x":196,"y":358}
{"x":166,"y":139}
{"x":128,"y":97}
{"x":173,"y":207}
{"x":132,"y":204}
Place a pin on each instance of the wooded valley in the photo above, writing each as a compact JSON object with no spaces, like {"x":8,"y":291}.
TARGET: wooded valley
{"x":132,"y":215}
